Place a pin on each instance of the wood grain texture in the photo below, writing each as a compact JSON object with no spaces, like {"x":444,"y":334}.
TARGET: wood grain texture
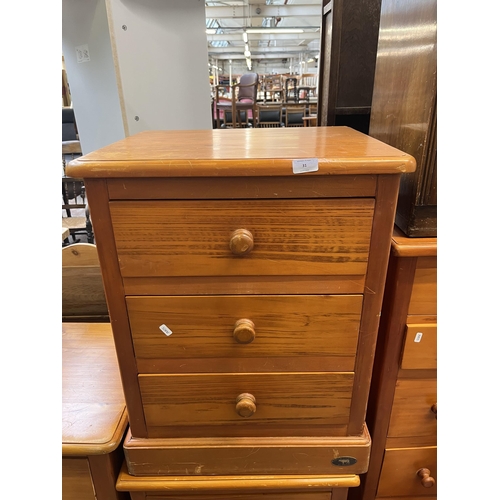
{"x":403,"y":246}
{"x":412,"y":414}
{"x":404,"y":104}
{"x":76,"y":480}
{"x":270,"y":487}
{"x":424,"y":294}
{"x":397,"y":295}
{"x":105,"y":470}
{"x":94,"y":418}
{"x":399,"y":472}
{"x":291,"y":237}
{"x":420,"y":347}
{"x":97,"y":194}
{"x":217,"y":285}
{"x":285,"y":326}
{"x":199,"y":188}
{"x":82,"y":289}
{"x":383,"y":222}
{"x":296,"y":399}
{"x":246,"y":456}
{"x":241,"y":152}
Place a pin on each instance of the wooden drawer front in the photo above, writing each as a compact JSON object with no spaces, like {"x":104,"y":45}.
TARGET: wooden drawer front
{"x":76,"y":480}
{"x":420,"y":347}
{"x":399,"y":472}
{"x":299,"y":326}
{"x":412,"y":413}
{"x":282,"y":401}
{"x":424,"y":293}
{"x":291,"y":237}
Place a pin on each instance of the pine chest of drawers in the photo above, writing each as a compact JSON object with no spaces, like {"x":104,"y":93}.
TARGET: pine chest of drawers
{"x":402,"y":407}
{"x":244,"y":272}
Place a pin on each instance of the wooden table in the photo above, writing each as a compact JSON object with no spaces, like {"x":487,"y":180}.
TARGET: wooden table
{"x":94,"y":418}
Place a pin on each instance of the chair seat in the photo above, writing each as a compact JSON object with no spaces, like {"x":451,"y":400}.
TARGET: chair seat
{"x":74,"y":222}
{"x":239,"y":105}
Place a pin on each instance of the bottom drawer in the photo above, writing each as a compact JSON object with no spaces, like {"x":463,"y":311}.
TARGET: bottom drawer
{"x":400,"y":473}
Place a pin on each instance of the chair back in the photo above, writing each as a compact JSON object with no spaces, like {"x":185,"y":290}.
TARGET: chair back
{"x":69,"y":131}
{"x":83,"y":297}
{"x":269,"y":115}
{"x":294,"y":114}
{"x":248,"y":87}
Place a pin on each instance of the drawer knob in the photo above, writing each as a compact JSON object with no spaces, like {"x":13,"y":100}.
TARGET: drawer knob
{"x":427,"y":481}
{"x":241,"y":242}
{"x":434,"y":409}
{"x":245,"y":405}
{"x":244,"y":331}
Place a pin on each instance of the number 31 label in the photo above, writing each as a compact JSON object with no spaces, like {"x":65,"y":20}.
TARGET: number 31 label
{"x":305,"y":165}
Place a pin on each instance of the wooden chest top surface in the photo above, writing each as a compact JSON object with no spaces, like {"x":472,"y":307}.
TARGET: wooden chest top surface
{"x":242,"y":152}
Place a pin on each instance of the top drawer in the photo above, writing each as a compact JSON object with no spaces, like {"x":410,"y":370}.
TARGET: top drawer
{"x":244,"y":237}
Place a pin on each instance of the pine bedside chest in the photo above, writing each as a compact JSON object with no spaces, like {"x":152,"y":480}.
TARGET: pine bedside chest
{"x":244,"y":272}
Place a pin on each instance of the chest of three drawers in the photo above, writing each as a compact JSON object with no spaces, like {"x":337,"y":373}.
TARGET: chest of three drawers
{"x":402,"y":410}
{"x":244,"y":297}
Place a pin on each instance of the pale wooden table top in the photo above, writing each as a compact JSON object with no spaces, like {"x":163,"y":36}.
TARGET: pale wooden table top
{"x":94,"y":418}
{"x":241,"y":152}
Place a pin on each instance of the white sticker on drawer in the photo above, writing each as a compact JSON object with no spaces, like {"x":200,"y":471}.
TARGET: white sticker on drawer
{"x":306,"y":165}
{"x":166,"y":330}
{"x":418,"y":337}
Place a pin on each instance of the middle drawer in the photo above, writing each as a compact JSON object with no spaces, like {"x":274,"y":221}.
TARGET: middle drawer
{"x":242,"y":334}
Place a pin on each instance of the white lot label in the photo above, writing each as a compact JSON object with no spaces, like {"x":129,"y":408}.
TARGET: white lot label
{"x":305,"y":165}
{"x":418,"y":337}
{"x":166,"y":330}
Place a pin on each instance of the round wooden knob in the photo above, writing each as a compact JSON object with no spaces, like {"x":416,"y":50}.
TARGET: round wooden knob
{"x":244,"y":331}
{"x":427,"y":481}
{"x":241,"y":242}
{"x":434,"y":409}
{"x":245,"y":405}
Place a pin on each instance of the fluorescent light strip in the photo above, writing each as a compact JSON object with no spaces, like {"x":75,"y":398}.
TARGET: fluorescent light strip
{"x":274,"y":30}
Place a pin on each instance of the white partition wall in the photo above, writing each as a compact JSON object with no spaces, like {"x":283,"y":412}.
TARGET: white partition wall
{"x":91,"y":75}
{"x":161,"y":57}
{"x":135,"y":65}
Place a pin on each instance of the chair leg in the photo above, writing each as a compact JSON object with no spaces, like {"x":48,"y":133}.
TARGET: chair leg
{"x":88,"y":227}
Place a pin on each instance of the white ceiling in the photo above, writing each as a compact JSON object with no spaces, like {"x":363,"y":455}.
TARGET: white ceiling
{"x":231,"y":18}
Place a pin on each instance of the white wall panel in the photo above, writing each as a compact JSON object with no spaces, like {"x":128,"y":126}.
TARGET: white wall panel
{"x":160,"y":52}
{"x":92,"y":83}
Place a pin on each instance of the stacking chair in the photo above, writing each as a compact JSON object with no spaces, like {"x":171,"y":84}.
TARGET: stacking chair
{"x":307,"y":86}
{"x":74,"y":204}
{"x":291,"y":94}
{"x":73,"y":190}
{"x":269,"y":116}
{"x":294,"y":114}
{"x":243,"y":98}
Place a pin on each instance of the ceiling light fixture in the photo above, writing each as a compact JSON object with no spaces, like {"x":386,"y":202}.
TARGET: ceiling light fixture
{"x":274,"y":30}
{"x":245,"y":37}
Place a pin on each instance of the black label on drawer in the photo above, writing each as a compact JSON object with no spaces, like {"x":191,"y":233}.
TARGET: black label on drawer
{"x":344,"y":461}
